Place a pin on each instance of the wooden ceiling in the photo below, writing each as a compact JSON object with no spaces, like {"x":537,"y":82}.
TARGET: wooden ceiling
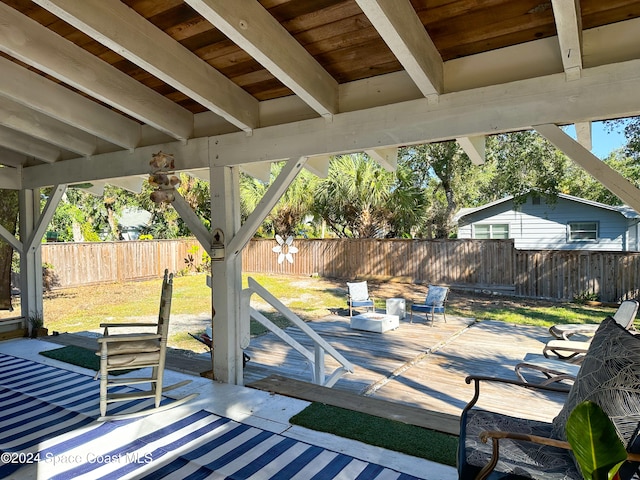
{"x":115,"y":77}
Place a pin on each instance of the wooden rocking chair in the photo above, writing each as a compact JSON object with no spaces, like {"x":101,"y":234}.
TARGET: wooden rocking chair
{"x":138,"y":350}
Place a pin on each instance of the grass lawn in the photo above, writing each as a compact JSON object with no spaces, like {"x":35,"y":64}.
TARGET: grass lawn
{"x":84,"y":308}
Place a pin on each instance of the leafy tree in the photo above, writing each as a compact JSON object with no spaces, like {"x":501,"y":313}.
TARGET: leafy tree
{"x":289,"y":214}
{"x":579,"y":183}
{"x":526,"y":161}
{"x":9,"y":209}
{"x":352,"y":200}
{"x":442,"y":169}
{"x":360,"y":199}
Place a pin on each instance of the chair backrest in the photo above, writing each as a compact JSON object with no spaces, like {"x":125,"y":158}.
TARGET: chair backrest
{"x":165,"y":305}
{"x":626,"y":313}
{"x":358,"y":291}
{"x":436,"y":295}
{"x":608,"y":376}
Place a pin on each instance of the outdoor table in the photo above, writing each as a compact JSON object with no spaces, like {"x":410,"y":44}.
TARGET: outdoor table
{"x":375,"y":322}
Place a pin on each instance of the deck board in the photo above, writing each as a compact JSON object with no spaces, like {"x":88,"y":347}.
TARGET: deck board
{"x":418,"y":365}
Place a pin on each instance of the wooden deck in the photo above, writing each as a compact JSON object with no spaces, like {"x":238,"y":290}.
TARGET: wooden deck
{"x":418,"y":365}
{"x":414,"y":367}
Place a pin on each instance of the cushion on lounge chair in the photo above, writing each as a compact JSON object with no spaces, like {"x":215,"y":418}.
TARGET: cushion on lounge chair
{"x":625,"y":315}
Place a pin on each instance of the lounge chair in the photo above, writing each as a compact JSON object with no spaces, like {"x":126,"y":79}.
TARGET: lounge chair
{"x":554,"y":371}
{"x":143,"y":350}
{"x":358,"y":296}
{"x":569,"y":349}
{"x":434,"y":303}
{"x":625,"y":315}
{"x":493,"y":445}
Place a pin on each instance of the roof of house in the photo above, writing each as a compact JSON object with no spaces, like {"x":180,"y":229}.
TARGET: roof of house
{"x":624,"y":210}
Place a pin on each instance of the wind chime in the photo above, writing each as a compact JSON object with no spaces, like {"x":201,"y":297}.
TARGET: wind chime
{"x":162,"y":178}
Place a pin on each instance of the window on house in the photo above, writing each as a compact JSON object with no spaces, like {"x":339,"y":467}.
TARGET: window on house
{"x":491,"y":231}
{"x":583,"y":231}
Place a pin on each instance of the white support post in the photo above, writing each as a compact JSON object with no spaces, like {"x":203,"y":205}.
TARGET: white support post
{"x":30,"y":260}
{"x":33,"y":224}
{"x":226,"y":277}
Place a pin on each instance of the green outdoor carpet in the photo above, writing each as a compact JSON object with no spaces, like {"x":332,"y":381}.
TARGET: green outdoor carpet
{"x":81,"y":357}
{"x":381,"y":432}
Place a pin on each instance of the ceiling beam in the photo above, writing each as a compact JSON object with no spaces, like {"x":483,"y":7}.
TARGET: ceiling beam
{"x":193,"y":222}
{"x":261,"y":171}
{"x":41,"y":48}
{"x":583,"y":134}
{"x":319,"y":165}
{"x":400,"y":27}
{"x":132,"y":184}
{"x":273,"y":194}
{"x":11,"y":158}
{"x":615,"y":183}
{"x":122,"y":30}
{"x":10,"y":178}
{"x":252,"y":28}
{"x":34,"y":91}
{"x":474,"y":147}
{"x":30,"y":122}
{"x":601,"y":92}
{"x":387,"y":158}
{"x":20,"y":142}
{"x":569,"y":27}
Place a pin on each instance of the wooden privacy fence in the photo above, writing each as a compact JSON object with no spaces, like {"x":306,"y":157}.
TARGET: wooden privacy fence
{"x":88,"y":263}
{"x":493,"y":265}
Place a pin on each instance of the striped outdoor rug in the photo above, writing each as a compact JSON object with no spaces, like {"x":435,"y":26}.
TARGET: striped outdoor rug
{"x":48,"y":429}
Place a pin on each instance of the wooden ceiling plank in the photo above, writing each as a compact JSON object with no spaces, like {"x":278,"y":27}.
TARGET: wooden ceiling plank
{"x":254,"y":30}
{"x":30,"y":122}
{"x":121,"y":29}
{"x":38,"y":47}
{"x":569,"y":26}
{"x":398,"y":24}
{"x":36,"y":92}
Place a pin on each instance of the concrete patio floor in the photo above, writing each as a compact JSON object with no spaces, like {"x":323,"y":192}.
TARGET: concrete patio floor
{"x":256,"y":408}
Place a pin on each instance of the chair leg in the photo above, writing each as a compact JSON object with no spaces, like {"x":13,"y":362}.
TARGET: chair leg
{"x":104,"y":380}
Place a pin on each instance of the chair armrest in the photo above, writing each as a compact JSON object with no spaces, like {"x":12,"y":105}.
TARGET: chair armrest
{"x":531,"y":386}
{"x":129,"y":338}
{"x":110,"y":325}
{"x":496,"y":435}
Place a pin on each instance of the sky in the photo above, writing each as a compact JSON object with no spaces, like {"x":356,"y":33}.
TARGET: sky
{"x":603,"y":142}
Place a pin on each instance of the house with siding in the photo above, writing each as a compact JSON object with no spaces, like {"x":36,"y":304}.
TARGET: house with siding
{"x":569,"y":223}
